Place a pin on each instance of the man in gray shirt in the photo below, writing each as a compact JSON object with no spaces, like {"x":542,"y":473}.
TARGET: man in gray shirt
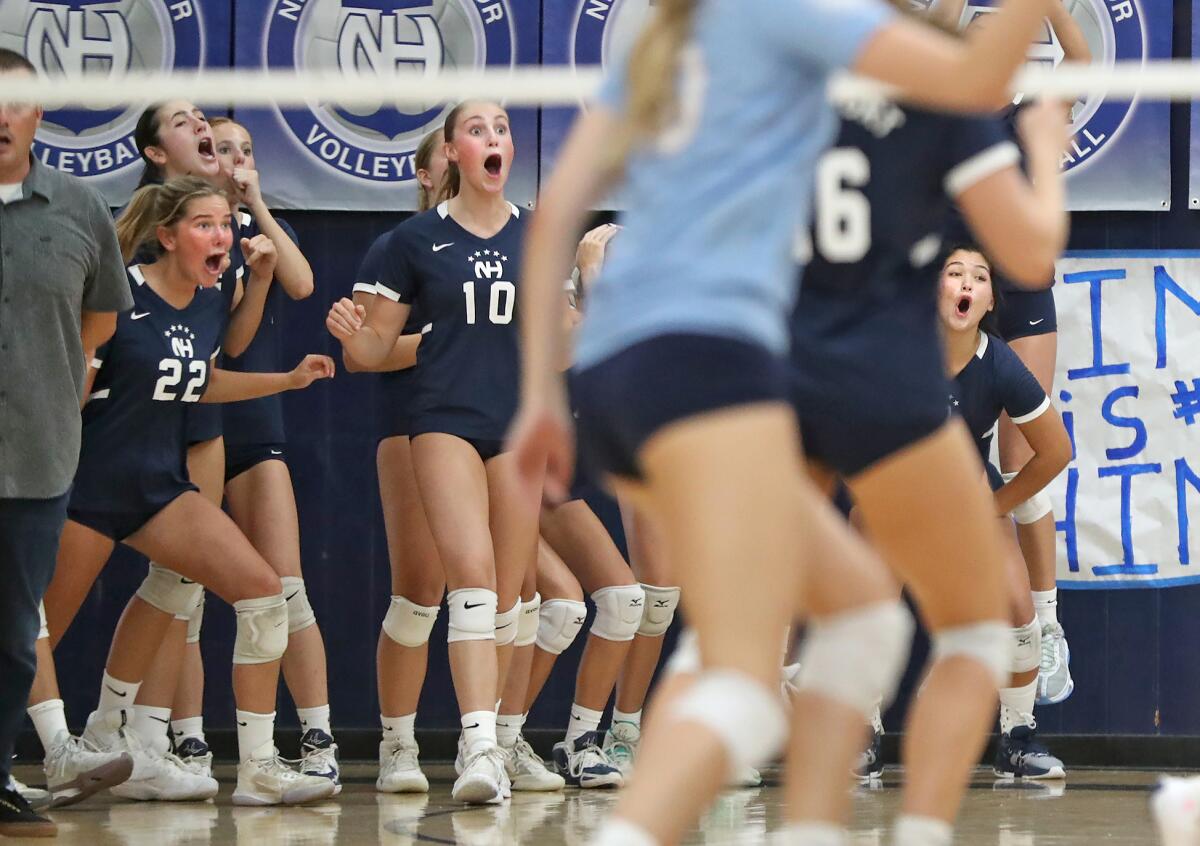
{"x":62,"y":283}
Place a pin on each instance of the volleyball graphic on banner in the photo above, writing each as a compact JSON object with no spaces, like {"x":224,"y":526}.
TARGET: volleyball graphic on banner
{"x":71,"y":39}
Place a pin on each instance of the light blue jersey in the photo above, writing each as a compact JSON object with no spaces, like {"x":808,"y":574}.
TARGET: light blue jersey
{"x":715,"y":202}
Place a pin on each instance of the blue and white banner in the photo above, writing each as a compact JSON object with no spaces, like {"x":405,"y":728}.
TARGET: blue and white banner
{"x":324,"y":156}
{"x":1119,"y":157}
{"x":1128,"y":387}
{"x":1194,"y":158}
{"x":71,"y":37}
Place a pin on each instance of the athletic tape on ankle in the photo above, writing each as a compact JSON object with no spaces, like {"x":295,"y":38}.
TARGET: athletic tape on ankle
{"x":858,"y":656}
{"x":747,"y":717}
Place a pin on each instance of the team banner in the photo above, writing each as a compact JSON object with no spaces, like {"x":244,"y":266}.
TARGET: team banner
{"x":73,"y":37}
{"x":1128,"y":387}
{"x":325,"y":156}
{"x":1119,"y":155}
{"x":1194,"y":159}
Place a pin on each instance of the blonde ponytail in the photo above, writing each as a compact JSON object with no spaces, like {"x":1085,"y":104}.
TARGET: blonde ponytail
{"x":153,"y":206}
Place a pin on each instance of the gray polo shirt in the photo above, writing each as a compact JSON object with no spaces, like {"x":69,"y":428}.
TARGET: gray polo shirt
{"x":58,"y":258}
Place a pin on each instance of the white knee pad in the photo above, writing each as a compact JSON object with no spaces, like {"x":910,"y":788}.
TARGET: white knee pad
{"x":1027,"y":646}
{"x":659,"y":610}
{"x":748,"y":717}
{"x":527,"y":626}
{"x":559,"y":622}
{"x":1032,"y":509}
{"x":506,"y":624}
{"x":409,"y":624}
{"x":195,"y":620}
{"x":686,"y":657}
{"x":43,"y":628}
{"x":262,"y":633}
{"x":989,"y":643}
{"x":858,"y":656}
{"x":300,"y":613}
{"x":169,"y":592}
{"x":472,"y":614}
{"x":619,"y":611}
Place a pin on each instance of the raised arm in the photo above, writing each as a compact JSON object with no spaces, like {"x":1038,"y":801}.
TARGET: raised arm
{"x":292,"y":269}
{"x":250,"y":300}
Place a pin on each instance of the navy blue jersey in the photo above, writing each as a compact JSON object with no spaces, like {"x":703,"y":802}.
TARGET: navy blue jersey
{"x":155,"y":367}
{"x":995,"y":380}
{"x":468,"y":369}
{"x":259,"y":421}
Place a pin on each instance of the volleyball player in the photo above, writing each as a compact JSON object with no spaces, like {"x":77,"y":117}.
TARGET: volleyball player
{"x":1027,"y":321}
{"x":132,"y":488}
{"x":457,"y":265}
{"x":417,"y":581}
{"x":701,"y":274}
{"x":988,"y":379}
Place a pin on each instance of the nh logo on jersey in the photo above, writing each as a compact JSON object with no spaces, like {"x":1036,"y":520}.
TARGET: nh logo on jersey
{"x":72,"y":37}
{"x":371,"y":41}
{"x":486,"y":268}
{"x":58,"y":40}
{"x":182,"y":339}
{"x":379,"y":143}
{"x":1116,"y":30}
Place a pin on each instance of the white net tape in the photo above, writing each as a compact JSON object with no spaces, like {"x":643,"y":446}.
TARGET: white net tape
{"x":525,"y":86}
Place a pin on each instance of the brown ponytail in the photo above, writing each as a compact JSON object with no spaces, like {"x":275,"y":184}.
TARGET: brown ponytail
{"x":653,"y":73}
{"x":153,"y":206}
{"x":427,"y":198}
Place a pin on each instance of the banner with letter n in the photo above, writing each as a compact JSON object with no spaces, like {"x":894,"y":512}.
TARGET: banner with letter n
{"x":1119,"y":157}
{"x":325,"y":156}
{"x":68,"y":38}
{"x":1128,"y":386}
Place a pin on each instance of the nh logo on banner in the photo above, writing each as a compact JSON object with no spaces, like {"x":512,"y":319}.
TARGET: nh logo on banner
{"x":371,"y":40}
{"x":72,"y":39}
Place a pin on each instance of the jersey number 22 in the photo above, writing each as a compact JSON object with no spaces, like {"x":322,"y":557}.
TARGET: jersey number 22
{"x":172,"y":374}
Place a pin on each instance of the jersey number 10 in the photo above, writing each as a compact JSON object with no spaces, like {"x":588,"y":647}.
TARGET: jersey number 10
{"x":501,"y":299}
{"x":172,"y":374}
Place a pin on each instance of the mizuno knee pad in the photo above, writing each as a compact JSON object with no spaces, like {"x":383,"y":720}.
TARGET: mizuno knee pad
{"x":300,"y":613}
{"x":659,"y":610}
{"x":527,"y":626}
{"x":619,"y":612}
{"x":1027,"y":646}
{"x":407,"y":623}
{"x":262,"y":630}
{"x":472,"y":614}
{"x":858,"y":656}
{"x":559,"y":621}
{"x":989,"y":643}
{"x":169,"y":592}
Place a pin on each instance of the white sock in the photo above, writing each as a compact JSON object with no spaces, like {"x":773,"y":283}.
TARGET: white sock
{"x":811,"y":833}
{"x":256,"y":735}
{"x":582,"y":720}
{"x":618,"y":832}
{"x":1016,"y":706}
{"x":188,"y":727}
{"x":912,"y":830}
{"x":314,"y":718}
{"x":402,"y":729}
{"x":1045,"y":603}
{"x":151,"y":724}
{"x":508,"y":729}
{"x":116,"y":695}
{"x":632,"y":720}
{"x":49,"y":720}
{"x":479,"y":729}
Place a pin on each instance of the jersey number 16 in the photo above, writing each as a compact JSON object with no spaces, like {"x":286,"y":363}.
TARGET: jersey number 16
{"x":841,"y":212}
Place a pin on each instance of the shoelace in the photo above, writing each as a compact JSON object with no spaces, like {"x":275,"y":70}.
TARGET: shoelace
{"x":590,"y":756}
{"x":1049,"y":663}
{"x":523,"y":753}
{"x":319,"y":762}
{"x":404,"y":754}
{"x":620,"y":751}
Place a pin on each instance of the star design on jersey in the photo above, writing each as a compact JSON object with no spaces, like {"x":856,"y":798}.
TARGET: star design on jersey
{"x":478,"y":254}
{"x":178,"y":330}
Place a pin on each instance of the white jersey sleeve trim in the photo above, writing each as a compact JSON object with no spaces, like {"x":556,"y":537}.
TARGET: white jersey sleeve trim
{"x":1033,"y":415}
{"x":100,"y":394}
{"x":427,"y":328}
{"x":216,"y":353}
{"x":240,"y":272}
{"x":245,"y":218}
{"x":97,"y":363}
{"x":980,"y":166}
{"x":364,"y":288}
{"x":385,"y":291}
{"x":135,"y":271}
{"x":981,"y":350}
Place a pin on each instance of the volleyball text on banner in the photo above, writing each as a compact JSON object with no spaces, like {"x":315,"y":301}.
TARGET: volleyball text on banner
{"x":70,"y":39}
{"x":324,"y":156}
{"x":1120,"y":152}
{"x":1128,"y":387}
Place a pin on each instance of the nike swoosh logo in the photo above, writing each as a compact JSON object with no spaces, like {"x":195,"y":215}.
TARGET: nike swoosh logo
{"x":184,"y":581}
{"x":437,"y":248}
{"x":505,"y":626}
{"x":1035,"y":322}
{"x":471,"y":727}
{"x":136,"y":316}
{"x":469,"y":606}
{"x":276,"y":452}
{"x":277,"y":625}
{"x":161,"y":720}
{"x":289,"y":599}
{"x":243,"y":725}
{"x":117,"y":692}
